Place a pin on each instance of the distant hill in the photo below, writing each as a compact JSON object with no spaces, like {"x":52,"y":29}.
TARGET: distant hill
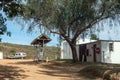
{"x":8,"y":48}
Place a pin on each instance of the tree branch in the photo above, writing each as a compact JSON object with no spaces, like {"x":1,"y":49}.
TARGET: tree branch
{"x":75,"y":19}
{"x":53,"y":31}
{"x":89,"y":26}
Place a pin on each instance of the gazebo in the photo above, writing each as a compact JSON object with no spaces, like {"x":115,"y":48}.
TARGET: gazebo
{"x":39,"y":43}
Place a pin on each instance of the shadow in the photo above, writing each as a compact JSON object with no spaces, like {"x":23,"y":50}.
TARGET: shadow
{"x":69,"y":71}
{"x":92,"y":72}
{"x":54,"y":69}
{"x":97,"y":71}
{"x":26,"y":62}
{"x":66,"y":71}
{"x":11,"y":73}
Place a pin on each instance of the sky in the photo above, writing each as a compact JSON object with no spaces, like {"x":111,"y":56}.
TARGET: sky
{"x":21,"y":36}
{"x":109,"y":32}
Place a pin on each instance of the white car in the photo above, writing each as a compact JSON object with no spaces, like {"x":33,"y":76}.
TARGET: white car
{"x":20,"y":55}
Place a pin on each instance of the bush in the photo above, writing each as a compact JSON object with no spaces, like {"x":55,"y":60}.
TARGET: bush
{"x":12,"y":52}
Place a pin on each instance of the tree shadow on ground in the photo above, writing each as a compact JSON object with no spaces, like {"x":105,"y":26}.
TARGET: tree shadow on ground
{"x":92,"y":72}
{"x":75,"y":71}
{"x":11,"y":73}
{"x":66,"y":71}
{"x":70,"y":71}
{"x":27,"y":62}
{"x":55,"y":69}
{"x":96,"y":71}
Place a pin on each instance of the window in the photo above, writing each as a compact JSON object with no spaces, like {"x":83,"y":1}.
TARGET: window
{"x":110,"y":46}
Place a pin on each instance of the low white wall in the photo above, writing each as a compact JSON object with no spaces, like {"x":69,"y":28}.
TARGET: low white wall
{"x":66,"y":52}
{"x":1,"y":55}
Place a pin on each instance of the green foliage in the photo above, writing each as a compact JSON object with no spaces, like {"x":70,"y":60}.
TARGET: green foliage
{"x":12,"y":52}
{"x":3,"y":28}
{"x":94,"y":37}
{"x":1,"y":48}
{"x":66,"y":60}
{"x":70,"y":16}
{"x":12,"y":8}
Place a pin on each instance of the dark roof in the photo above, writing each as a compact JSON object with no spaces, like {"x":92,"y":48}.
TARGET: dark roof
{"x":40,"y":40}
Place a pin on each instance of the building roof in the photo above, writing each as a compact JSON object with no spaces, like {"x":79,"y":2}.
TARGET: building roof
{"x":93,"y":41}
{"x":85,"y":41}
{"x":40,"y":40}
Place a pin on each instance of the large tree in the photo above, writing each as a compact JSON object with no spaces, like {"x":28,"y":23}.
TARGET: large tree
{"x":70,"y":18}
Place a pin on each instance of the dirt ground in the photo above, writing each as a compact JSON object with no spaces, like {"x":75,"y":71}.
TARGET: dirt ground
{"x":11,"y":69}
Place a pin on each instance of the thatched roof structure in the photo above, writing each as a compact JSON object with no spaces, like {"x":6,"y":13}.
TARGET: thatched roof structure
{"x":40,"y":40}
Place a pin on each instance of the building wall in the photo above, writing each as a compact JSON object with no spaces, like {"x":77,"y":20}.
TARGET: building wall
{"x":98,"y":55}
{"x":90,"y":50}
{"x":90,"y":47}
{"x":66,"y":52}
{"x":109,"y":56}
{"x":115,"y":55}
{"x":105,"y":55}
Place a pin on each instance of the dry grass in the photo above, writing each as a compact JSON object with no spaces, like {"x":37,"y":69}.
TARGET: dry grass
{"x":8,"y":48}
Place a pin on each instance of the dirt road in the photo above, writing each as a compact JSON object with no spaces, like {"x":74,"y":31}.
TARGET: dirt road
{"x":29,"y":70}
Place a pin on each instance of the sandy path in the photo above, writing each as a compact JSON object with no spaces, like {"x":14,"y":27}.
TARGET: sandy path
{"x":23,"y":70}
{"x":29,"y":70}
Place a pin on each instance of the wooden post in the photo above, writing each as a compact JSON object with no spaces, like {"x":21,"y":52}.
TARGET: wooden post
{"x":43,"y":50}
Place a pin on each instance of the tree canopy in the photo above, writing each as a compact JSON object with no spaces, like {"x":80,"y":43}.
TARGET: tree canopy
{"x":94,"y":37}
{"x":12,"y":8}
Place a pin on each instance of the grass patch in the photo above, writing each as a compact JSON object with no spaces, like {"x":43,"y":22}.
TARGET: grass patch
{"x":93,"y":72}
{"x":66,"y":60}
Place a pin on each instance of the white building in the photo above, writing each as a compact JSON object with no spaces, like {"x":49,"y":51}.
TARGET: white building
{"x":105,"y":51}
{"x":66,"y":52}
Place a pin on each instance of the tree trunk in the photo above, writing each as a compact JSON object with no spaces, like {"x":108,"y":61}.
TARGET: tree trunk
{"x":80,"y":53}
{"x":74,"y":52}
{"x":72,"y":45}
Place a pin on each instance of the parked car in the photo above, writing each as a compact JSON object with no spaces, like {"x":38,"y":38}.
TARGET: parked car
{"x":18,"y":55}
